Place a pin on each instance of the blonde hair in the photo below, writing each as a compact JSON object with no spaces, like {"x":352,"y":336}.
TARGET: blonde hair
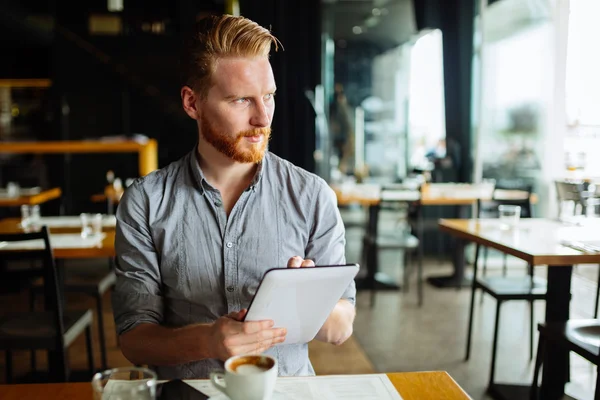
{"x":216,"y":37}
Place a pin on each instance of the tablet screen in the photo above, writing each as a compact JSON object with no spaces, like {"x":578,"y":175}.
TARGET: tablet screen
{"x":300,"y":299}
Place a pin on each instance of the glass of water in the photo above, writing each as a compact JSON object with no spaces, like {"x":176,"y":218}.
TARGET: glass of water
{"x":509,"y":216}
{"x":125,"y":383}
{"x":91,"y":224}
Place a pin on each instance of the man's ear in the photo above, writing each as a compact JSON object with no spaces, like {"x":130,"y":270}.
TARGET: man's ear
{"x":189,"y":102}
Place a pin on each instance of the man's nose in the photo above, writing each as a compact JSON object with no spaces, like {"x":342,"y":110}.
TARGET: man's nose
{"x":260,"y":117}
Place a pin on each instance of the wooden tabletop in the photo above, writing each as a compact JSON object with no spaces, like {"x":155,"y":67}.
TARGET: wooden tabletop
{"x":411,"y":386}
{"x":535,"y":240}
{"x":105,"y":249}
{"x":38,"y":198}
{"x":147,"y":150}
{"x":431,"y":194}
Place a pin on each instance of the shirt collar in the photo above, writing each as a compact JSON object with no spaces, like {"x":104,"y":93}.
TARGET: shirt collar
{"x":203,"y":183}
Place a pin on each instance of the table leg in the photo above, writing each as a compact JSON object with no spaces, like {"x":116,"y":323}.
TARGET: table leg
{"x":558,"y":298}
{"x":457,"y":279}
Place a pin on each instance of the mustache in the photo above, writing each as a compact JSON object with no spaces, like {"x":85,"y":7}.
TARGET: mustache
{"x":255,"y":132}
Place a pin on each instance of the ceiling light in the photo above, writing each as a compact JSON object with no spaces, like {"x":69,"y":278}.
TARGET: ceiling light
{"x":115,"y":5}
{"x":357,"y":30}
{"x":376,"y":12}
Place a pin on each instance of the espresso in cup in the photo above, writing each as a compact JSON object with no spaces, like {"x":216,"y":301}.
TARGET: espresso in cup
{"x":247,"y":365}
{"x":247,"y":377}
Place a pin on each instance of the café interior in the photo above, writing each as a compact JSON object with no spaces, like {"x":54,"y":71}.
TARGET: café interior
{"x":460,"y":139}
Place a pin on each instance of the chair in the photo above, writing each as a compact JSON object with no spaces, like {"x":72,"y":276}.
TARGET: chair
{"x":576,"y":193}
{"x":400,"y":239}
{"x":579,"y":336}
{"x":572,"y":192}
{"x":489,"y":209}
{"x":92,"y":283}
{"x":529,"y":288}
{"x":52,"y":329}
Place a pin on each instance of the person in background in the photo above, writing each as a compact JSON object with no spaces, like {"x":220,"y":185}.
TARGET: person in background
{"x":194,"y":239}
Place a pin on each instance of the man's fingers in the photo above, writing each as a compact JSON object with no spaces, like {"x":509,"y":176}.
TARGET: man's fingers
{"x":295,"y":262}
{"x":299,"y":262}
{"x":260,"y":347}
{"x":257,"y":326}
{"x":265,"y":335}
{"x":308,"y":263}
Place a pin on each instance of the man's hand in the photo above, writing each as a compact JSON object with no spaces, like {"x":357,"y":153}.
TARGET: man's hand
{"x":299,"y":262}
{"x":232,"y":337}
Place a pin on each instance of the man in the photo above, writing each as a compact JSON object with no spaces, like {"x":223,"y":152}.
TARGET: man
{"x":195,"y":238}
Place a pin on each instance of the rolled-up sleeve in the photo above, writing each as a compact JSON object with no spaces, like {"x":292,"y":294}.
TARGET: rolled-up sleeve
{"x":327,"y":243}
{"x":137,"y":297}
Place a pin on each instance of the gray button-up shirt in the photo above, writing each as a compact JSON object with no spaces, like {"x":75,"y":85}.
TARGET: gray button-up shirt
{"x":181,"y":260}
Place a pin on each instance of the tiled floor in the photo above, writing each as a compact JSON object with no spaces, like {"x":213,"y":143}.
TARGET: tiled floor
{"x":397,"y":335}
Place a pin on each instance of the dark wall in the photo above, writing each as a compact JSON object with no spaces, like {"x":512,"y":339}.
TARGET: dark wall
{"x":297,"y":69}
{"x":455,"y":18}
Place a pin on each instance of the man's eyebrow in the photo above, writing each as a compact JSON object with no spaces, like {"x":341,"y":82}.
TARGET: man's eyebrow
{"x":237,"y":96}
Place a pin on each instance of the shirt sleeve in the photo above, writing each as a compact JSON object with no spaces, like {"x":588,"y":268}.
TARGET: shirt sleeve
{"x":327,"y":242}
{"x":137,"y":297}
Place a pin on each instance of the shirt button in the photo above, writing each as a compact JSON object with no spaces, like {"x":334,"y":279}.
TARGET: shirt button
{"x":230,"y":288}
{"x":229,"y":245}
{"x":218,"y":203}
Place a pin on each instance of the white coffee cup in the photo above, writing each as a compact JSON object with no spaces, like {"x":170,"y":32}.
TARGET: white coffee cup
{"x":247,"y":377}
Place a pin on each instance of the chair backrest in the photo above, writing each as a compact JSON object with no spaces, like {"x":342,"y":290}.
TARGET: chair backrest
{"x":53,"y":295}
{"x":489,"y":208}
{"x":570,"y":191}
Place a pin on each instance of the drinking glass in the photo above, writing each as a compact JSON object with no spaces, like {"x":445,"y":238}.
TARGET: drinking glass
{"x":91,"y":224}
{"x":125,"y":383}
{"x":36,"y":215}
{"x":25,"y":215}
{"x":13,"y":189}
{"x":509,"y":216}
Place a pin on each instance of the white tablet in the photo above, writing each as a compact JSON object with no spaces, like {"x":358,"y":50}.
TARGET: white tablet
{"x":300,"y":299}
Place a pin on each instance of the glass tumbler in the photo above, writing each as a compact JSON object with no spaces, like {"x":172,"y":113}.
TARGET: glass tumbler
{"x":125,"y":383}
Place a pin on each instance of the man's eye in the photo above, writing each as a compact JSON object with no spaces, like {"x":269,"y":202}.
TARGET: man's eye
{"x":241,"y":100}
{"x":270,"y":96}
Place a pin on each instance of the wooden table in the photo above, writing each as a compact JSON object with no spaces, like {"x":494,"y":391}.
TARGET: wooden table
{"x":106,"y":249}
{"x":411,"y":386}
{"x":147,"y":150}
{"x":462,"y":195}
{"x":538,"y":242}
{"x":31,"y":199}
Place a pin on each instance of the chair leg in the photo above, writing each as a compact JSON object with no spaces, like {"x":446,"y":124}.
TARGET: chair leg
{"x":597,"y":295}
{"x":539,"y":358}
{"x":504,"y":264}
{"x":495,"y":344}
{"x":420,"y":279}
{"x":99,"y":308}
{"x":531,"y":328}
{"x":597,"y":391}
{"x":485,"y":256}
{"x":8,"y":363}
{"x":407,"y":269}
{"x":90,"y":350}
{"x":471,"y":309}
{"x":33,"y":360}
{"x":32,"y":356}
{"x":483,"y":270}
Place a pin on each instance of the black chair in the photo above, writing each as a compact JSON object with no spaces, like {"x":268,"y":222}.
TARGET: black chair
{"x":489,"y":209}
{"x":400,"y":239}
{"x":89,"y":282}
{"x":528,"y":288}
{"x":577,"y":194}
{"x":54,"y":329}
{"x":579,"y":336}
{"x":572,"y":192}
